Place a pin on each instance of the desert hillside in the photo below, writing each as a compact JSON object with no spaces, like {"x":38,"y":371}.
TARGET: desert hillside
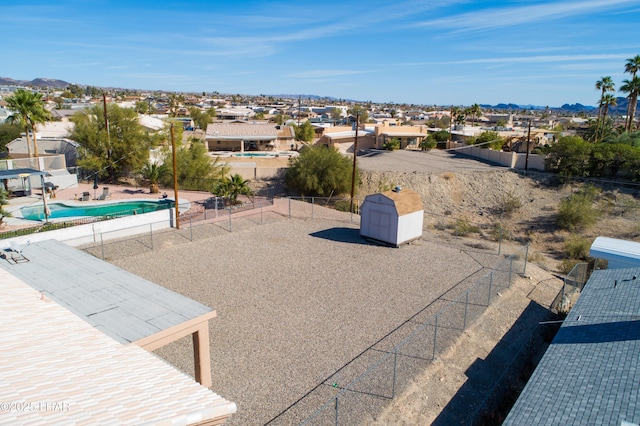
{"x":525,"y":207}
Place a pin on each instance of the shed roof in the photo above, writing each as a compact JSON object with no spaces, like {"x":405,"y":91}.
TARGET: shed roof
{"x":124,"y":306}
{"x":604,"y":247}
{"x":406,"y":200}
{"x":590,"y":374}
{"x":71,"y":373}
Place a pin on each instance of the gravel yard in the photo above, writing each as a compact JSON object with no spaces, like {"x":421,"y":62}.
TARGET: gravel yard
{"x":297,"y":300}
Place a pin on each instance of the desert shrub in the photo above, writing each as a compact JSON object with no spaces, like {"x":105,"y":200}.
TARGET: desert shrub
{"x":576,"y":212}
{"x":577,"y":247}
{"x":509,"y":204}
{"x":429,"y":143}
{"x":391,"y":144}
{"x":345,"y":205}
{"x":567,"y":265}
{"x":462,"y":228}
{"x":498,"y":232}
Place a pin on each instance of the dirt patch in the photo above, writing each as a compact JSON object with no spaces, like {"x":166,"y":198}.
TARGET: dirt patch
{"x":457,"y":385}
{"x":523,"y":209}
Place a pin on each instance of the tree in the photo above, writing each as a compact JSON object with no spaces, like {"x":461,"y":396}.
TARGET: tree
{"x":476,"y":112}
{"x":153,"y":172}
{"x":335,"y":113}
{"x":142,"y":107}
{"x":605,"y":84}
{"x":8,"y":132}
{"x":196,"y":171}
{"x":428,"y":143}
{"x":304,"y":132}
{"x":116,"y":153}
{"x":4,"y":195}
{"x":29,"y":112}
{"x":489,"y":139}
{"x":391,"y":144}
{"x":360,"y":112}
{"x":569,"y":156}
{"x":230,"y":188}
{"x":319,"y":171}
{"x":632,"y":87}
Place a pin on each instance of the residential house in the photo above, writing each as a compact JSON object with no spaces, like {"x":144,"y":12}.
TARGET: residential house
{"x":343,"y":138}
{"x":246,"y":136}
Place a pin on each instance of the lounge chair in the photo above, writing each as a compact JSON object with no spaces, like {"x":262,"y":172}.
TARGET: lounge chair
{"x":105,"y":193}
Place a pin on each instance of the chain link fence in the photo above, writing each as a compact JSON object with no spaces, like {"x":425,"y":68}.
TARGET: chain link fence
{"x":359,"y":392}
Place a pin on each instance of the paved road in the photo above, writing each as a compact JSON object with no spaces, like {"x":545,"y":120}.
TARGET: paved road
{"x":419,"y":161}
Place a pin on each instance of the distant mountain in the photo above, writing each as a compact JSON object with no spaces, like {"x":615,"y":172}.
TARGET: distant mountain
{"x":37,"y":82}
{"x":566,"y":107}
{"x":576,"y":108}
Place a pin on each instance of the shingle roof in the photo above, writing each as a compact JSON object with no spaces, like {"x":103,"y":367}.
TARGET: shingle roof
{"x":591,"y":372}
{"x":123,"y":305}
{"x":58,"y":369}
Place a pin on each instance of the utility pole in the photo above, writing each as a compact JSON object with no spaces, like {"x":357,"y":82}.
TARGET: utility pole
{"x":450,"y":127}
{"x":526,"y":158}
{"x":175,"y":176}
{"x":355,"y":155}
{"x":106,"y":125}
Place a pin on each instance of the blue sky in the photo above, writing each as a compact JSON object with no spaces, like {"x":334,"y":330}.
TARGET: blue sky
{"x":406,"y":51}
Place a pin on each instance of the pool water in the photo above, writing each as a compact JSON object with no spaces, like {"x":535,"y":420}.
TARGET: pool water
{"x":264,"y":154}
{"x":120,"y":208}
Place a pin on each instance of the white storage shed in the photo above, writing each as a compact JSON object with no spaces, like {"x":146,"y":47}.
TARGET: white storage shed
{"x":619,"y":253}
{"x":394,"y":217}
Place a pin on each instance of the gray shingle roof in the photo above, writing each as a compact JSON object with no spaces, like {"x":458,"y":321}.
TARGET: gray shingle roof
{"x":119,"y":303}
{"x":591,"y":372}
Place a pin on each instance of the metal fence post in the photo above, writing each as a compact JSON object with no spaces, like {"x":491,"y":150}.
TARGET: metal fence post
{"x":395,"y":364}
{"x":216,"y":204}
{"x":190,"y":229}
{"x":289,"y":207}
{"x":510,"y":269}
{"x":435,"y":337}
{"x":151,"y":234}
{"x":230,"y":226}
{"x":490,"y":283}
{"x":102,"y":245}
{"x":526,"y":258}
{"x":466,"y":304}
{"x":337,"y":421}
{"x":500,"y":241}
{"x":312,"y":204}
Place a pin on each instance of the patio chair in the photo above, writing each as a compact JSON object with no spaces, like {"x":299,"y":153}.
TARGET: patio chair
{"x":105,"y":193}
{"x":86,"y":196}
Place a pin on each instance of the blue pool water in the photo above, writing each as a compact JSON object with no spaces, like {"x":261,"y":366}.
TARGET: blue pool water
{"x":263,"y":154}
{"x":119,"y":208}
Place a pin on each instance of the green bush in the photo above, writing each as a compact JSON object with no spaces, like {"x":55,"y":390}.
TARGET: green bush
{"x":577,"y":247}
{"x":462,"y":228}
{"x":391,"y":144}
{"x":320,"y":171}
{"x":576,"y":212}
{"x":509,"y":204}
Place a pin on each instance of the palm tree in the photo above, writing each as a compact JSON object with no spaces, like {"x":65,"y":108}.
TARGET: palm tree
{"x":632,"y":87}
{"x":3,"y":202}
{"x":29,"y":111}
{"x":631,"y":67}
{"x":230,"y":188}
{"x":605,"y":102}
{"x":476,"y":112}
{"x":153,"y":172}
{"x":605,"y":84}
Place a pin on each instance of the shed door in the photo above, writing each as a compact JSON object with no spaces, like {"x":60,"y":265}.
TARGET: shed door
{"x":381,"y":225}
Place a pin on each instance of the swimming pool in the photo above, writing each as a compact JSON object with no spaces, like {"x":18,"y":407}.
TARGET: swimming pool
{"x":115,"y":208}
{"x":265,"y":154}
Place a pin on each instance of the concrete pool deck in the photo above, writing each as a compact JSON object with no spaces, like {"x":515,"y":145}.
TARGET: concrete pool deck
{"x":116,"y":192}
